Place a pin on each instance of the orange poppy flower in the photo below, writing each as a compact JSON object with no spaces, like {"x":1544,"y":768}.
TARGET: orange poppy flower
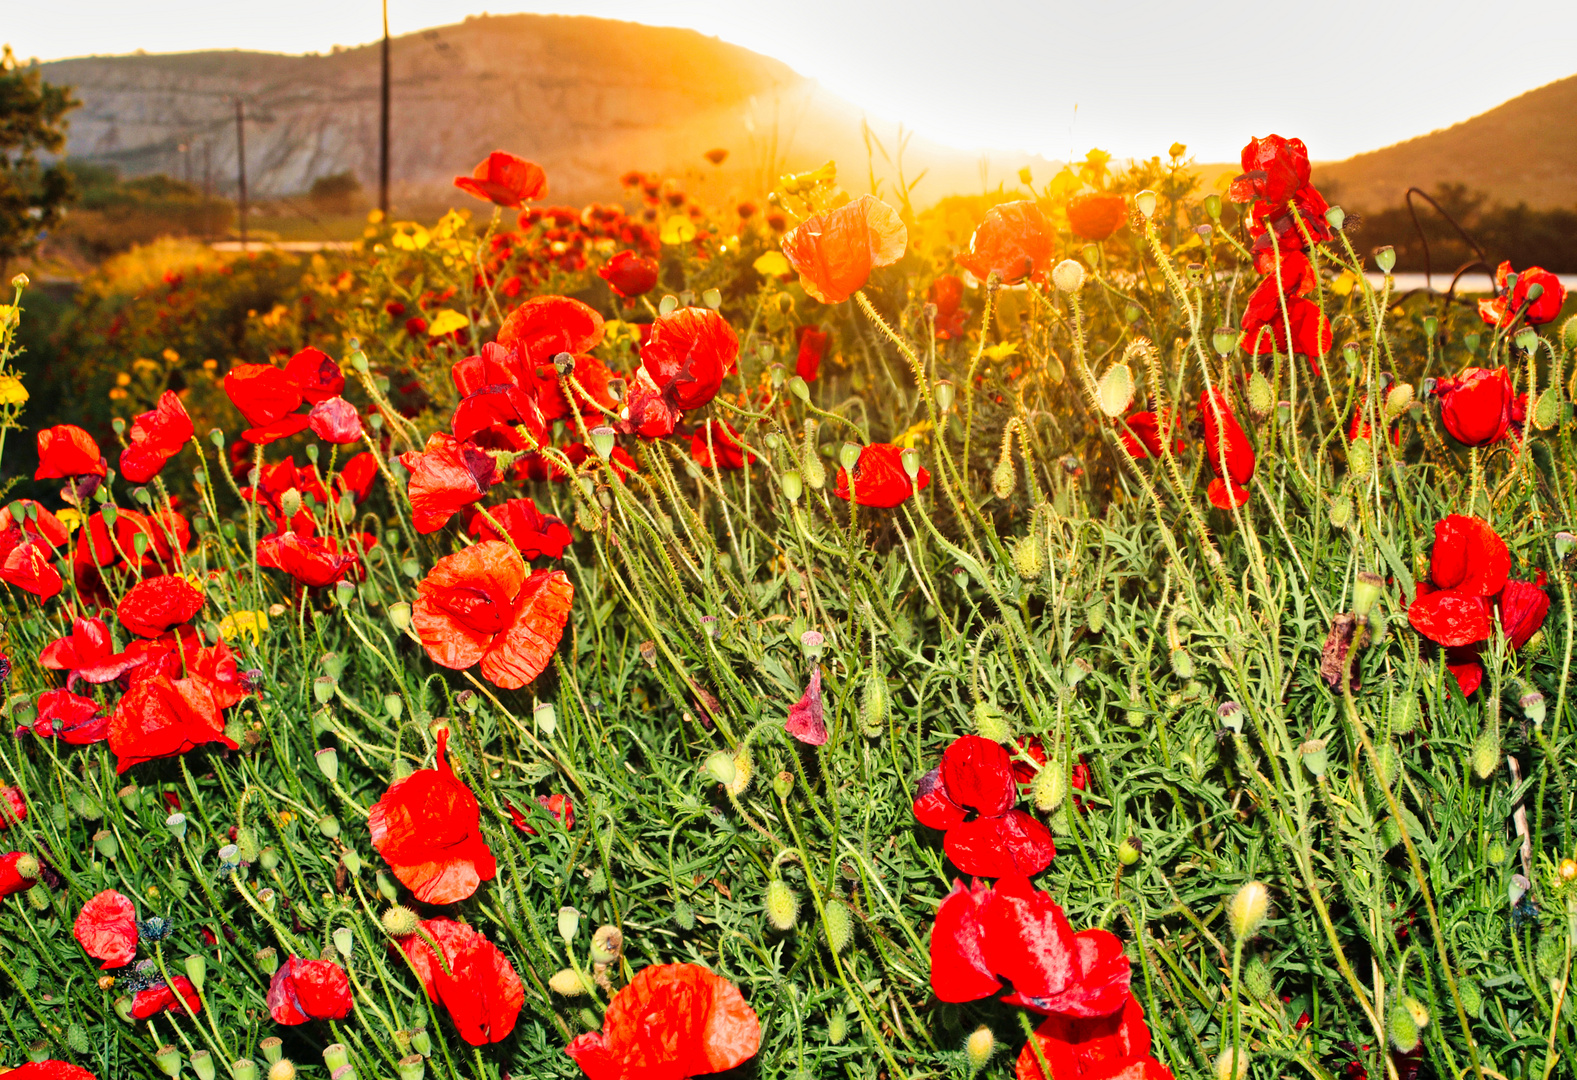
{"x":545,"y":326}
{"x":672,"y":1021}
{"x":446,"y":474}
{"x":835,"y":252}
{"x":428,"y":828}
{"x":1097,"y":216}
{"x":479,"y":605}
{"x":1014,"y":240}
{"x":506,"y":180}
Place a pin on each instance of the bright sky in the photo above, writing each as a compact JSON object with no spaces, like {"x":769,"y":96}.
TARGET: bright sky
{"x":1051,"y":77}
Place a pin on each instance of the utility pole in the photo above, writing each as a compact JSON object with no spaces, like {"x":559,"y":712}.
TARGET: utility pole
{"x":383,"y":122}
{"x":240,"y":153}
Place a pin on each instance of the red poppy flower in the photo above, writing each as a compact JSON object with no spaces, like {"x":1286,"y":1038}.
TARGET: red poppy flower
{"x":1523,"y":607}
{"x":835,"y":252}
{"x":315,"y":375}
{"x":106,"y":927}
{"x":630,"y":274}
{"x":13,"y":807}
{"x":1226,"y":434}
{"x":1502,"y":309}
{"x":1018,"y":933}
{"x":1468,"y":558}
{"x":812,"y":347}
{"x":156,"y":437}
{"x":592,"y":377}
{"x":12,"y":880}
{"x":536,"y":534}
{"x":1115,"y":1047}
{"x":335,"y":420}
{"x":305,"y":990}
{"x":155,"y":605}
{"x":545,"y":326}
{"x":67,"y":450}
{"x":970,"y":797}
{"x":1360,"y":428}
{"x":27,"y":562}
{"x":647,"y":412}
{"x":89,"y":641}
{"x":268,"y":399}
{"x":879,"y":477}
{"x":73,"y":718}
{"x":1096,"y":216}
{"x":1475,"y":406}
{"x":1266,"y":331}
{"x":1274,"y":169}
{"x":358,"y":474}
{"x":35,"y":520}
{"x":503,"y":405}
{"x":1465,"y":669}
{"x":314,"y":561}
{"x":475,"y":982}
{"x":495,"y":365}
{"x":1014,"y":240}
{"x":725,"y":446}
{"x":672,"y":1021}
{"x":161,"y":717}
{"x":214,"y":665}
{"x":479,"y":605}
{"x":1141,"y":433}
{"x":505,"y":180}
{"x":947,"y":293}
{"x":687,"y":355}
{"x":49,"y":1070}
{"x":161,"y":997}
{"x":166,"y":535}
{"x":559,"y":806}
{"x":428,"y":828}
{"x":446,"y":474}
{"x":806,"y":719}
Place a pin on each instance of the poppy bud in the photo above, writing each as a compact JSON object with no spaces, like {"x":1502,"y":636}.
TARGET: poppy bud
{"x":1028,"y":558}
{"x":944,"y":393}
{"x":837,"y":1027}
{"x":1115,"y":392}
{"x":1212,"y":205}
{"x":283,"y":1069}
{"x":811,"y":468}
{"x":1472,"y":999}
{"x":1360,"y":458}
{"x":566,"y":982}
{"x":38,"y":897}
{"x":1257,"y":979}
{"x":1486,"y":752}
{"x":1547,"y":409}
{"x":783,"y":784}
{"x":1402,"y":1029}
{"x":1550,"y":954}
{"x":243,"y":1069}
{"x":421,"y":1042}
{"x":607,"y":944}
{"x":290,"y":503}
{"x":168,"y":1058}
{"x":909,"y":457}
{"x":792,"y":486}
{"x":197,"y":971}
{"x":1182,"y":663}
{"x":979,"y":1047}
{"x":1399,"y":400}
{"x":412,"y":1067}
{"x":1232,"y":1064}
{"x":327,"y":760}
{"x":399,"y":614}
{"x":176,"y":823}
{"x":335,"y":1056}
{"x":1334,"y":217}
{"x":1144,"y":202}
{"x":1315,"y":757}
{"x":1366,"y":593}
{"x":268,"y":960}
{"x":1248,"y":910}
{"x":1340,"y":512}
{"x":104,"y":842}
{"x":328,"y":825}
{"x":990,"y":723}
{"x":837,"y":925}
{"x":720,"y":766}
{"x":569,"y":923}
{"x":684,"y":916}
{"x":399,"y":921}
{"x":1004,"y":477}
{"x":1128,"y":851}
{"x":1495,"y":853}
{"x":344,"y":940}
{"x":1068,"y":276}
{"x":781,"y":905}
{"x":873,"y":704}
{"x":744,"y":770}
{"x":1048,"y":789}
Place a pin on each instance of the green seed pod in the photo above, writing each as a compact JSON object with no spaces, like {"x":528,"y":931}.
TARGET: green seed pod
{"x":328,"y":826}
{"x":781,"y":905}
{"x":1129,"y":850}
{"x":104,"y":843}
{"x":273,"y":1047}
{"x":1261,"y":395}
{"x":873,"y":705}
{"x":1315,"y":757}
{"x":412,"y":1067}
{"x":1360,"y":458}
{"x":607,"y":944}
{"x":335,"y":1056}
{"x":838,"y":926}
{"x":1048,"y":789}
{"x":327,"y":761}
{"x":243,"y":1069}
{"x":979,"y":1047}
{"x":1472,"y":998}
{"x":990,"y":723}
{"x":168,"y":1059}
{"x":1029,"y":559}
{"x":1402,"y":1029}
{"x":1486,"y":752}
{"x":1257,"y":980}
{"x":268,"y":858}
{"x":197,"y":971}
{"x":268,"y":960}
{"x":837,"y":1028}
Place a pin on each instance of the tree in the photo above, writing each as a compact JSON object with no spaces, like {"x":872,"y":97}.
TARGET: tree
{"x":339,"y":193}
{"x":32,"y":121}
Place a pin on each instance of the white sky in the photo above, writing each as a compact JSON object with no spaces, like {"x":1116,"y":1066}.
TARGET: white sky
{"x":1052,"y":77}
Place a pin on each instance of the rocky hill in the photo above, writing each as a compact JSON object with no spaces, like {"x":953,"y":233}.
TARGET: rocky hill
{"x":587,"y":98}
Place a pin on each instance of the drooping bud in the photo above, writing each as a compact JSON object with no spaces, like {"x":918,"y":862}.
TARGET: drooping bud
{"x":1115,"y":392}
{"x":1402,"y":1028}
{"x":290,"y":503}
{"x":799,"y":388}
{"x":812,"y":470}
{"x":1472,"y":999}
{"x":991,"y":723}
{"x":979,"y":1047}
{"x":744,"y":771}
{"x":399,"y":614}
{"x":792,"y":485}
{"x":1048,"y":789}
{"x":1360,"y":458}
{"x":1004,"y":478}
{"x":344,"y":941}
{"x":720,"y":766}
{"x":837,"y":925}
{"x":1248,"y":910}
{"x":1261,"y":395}
{"x":1547,"y":409}
{"x":1257,"y":979}
{"x":781,"y":905}
{"x":849,"y":455}
{"x":837,"y":1027}
{"x":1068,"y":276}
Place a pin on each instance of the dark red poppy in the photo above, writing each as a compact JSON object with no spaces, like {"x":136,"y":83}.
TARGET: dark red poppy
{"x":947,"y":293}
{"x":428,"y":828}
{"x":806,"y":718}
{"x":12,"y":878}
{"x":1223,"y":433}
{"x":1096,"y":216}
{"x":49,"y":1070}
{"x":1469,"y":557}
{"x":156,"y":436}
{"x":505,"y":180}
{"x":1523,"y":607}
{"x":155,"y":605}
{"x":1014,"y":240}
{"x":1475,"y":406}
{"x":446,"y":475}
{"x":1141,"y":433}
{"x":630,"y":274}
{"x":1115,"y":1047}
{"x":27,"y":562}
{"x":716,"y":441}
{"x":1017,"y":933}
{"x":557,"y":805}
{"x":67,"y":450}
{"x":879,"y":477}
{"x":536,"y":534}
{"x":161,"y":997}
{"x":970,"y":797}
{"x":812,"y":347}
{"x":305,"y":990}
{"x":315,"y":375}
{"x":162,"y":717}
{"x":314,"y":561}
{"x":672,"y":1021}
{"x":835,"y":252}
{"x":71,"y":717}
{"x":687,"y":355}
{"x":480,"y":606}
{"x":106,"y":928}
{"x":474,"y":982}
{"x":545,"y":326}
{"x":1502,"y":309}
{"x":335,"y":420}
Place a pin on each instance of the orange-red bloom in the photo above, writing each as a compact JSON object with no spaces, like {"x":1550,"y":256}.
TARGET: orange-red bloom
{"x":156,"y":436}
{"x":428,"y":828}
{"x":162,"y":717}
{"x":673,"y":1021}
{"x":305,"y":990}
{"x":1475,"y":406}
{"x":1014,"y":240}
{"x":11,"y":879}
{"x":1095,"y":217}
{"x":879,"y":477}
{"x":475,"y":982}
{"x":835,"y":252}
{"x":158,"y":604}
{"x":545,"y":326}
{"x":49,"y":1070}
{"x":812,"y":347}
{"x":161,"y":997}
{"x":1141,"y":433}
{"x":536,"y":534}
{"x":479,"y":605}
{"x":67,"y":450}
{"x":1502,"y":309}
{"x":947,"y":293}
{"x":630,"y":274}
{"x":314,"y":561}
{"x":505,"y":180}
{"x":1223,"y":433}
{"x":687,"y":355}
{"x":1115,"y":1047}
{"x":107,"y":928}
{"x":446,"y":475}
{"x":26,"y":561}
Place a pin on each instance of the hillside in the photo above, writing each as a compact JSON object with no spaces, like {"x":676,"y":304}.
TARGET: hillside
{"x":587,"y":98}
{"x":1521,"y":151}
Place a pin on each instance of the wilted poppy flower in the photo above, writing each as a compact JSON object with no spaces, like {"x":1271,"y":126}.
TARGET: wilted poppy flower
{"x":879,"y":477}
{"x":812,"y":347}
{"x":1095,"y":217}
{"x":835,"y":252}
{"x":687,"y":355}
{"x":673,"y":1021}
{"x":1141,"y":433}
{"x":970,"y":797}
{"x":475,"y":981}
{"x":947,"y":293}
{"x":161,"y":997}
{"x":156,"y":436}
{"x":305,"y":990}
{"x":1469,"y":557}
{"x":1014,"y":240}
{"x":446,"y":475}
{"x":647,"y":412}
{"x":1475,"y":406}
{"x":505,"y":180}
{"x":1523,"y":607}
{"x":630,"y":274}
{"x":479,"y":605}
{"x":1115,"y":1047}
{"x":71,"y":717}
{"x":715,"y":441}
{"x":106,"y":927}
{"x":1018,"y":933}
{"x":314,"y":561}
{"x":335,"y":420}
{"x":28,"y":563}
{"x":13,"y":879}
{"x":161,"y":717}
{"x":315,"y":375}
{"x":536,"y":534}
{"x":559,"y":806}
{"x":428,"y":828}
{"x":545,"y":326}
{"x":67,"y":450}
{"x":155,"y":605}
{"x":49,"y":1070}
{"x":1502,"y":309}
{"x":1223,"y":434}
{"x":806,"y":719}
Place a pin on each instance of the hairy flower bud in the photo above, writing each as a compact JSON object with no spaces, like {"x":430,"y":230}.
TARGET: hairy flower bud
{"x":1360,"y":458}
{"x":1472,"y":999}
{"x":838,"y":926}
{"x":1399,"y":400}
{"x":1004,"y":478}
{"x":812,"y":470}
{"x":991,"y":723}
{"x":1028,"y":557}
{"x":1257,"y":979}
{"x":1402,"y":1028}
{"x":837,"y":1027}
{"x":1048,"y":789}
{"x":567,"y":982}
{"x":1248,"y":910}
{"x":1232,"y":1064}
{"x":1486,"y":752}
{"x":1068,"y":276}
{"x":399,"y":921}
{"x":873,"y":704}
{"x":781,"y":905}
{"x":979,"y":1047}
{"x":283,"y":1069}
{"x":1115,"y":392}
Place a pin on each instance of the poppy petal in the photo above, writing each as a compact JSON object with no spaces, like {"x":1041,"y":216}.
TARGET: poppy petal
{"x":1448,"y":618}
{"x":1013,"y":843}
{"x":805,"y":721}
{"x":959,"y":971}
{"x":523,"y":650}
{"x":978,"y":775}
{"x":106,"y":927}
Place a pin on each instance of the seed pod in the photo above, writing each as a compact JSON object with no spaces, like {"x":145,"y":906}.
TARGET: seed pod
{"x":873,"y":705}
{"x":412,"y":1067}
{"x":838,"y":926}
{"x":1486,"y":752}
{"x":422,"y":1042}
{"x":1115,"y":392}
{"x":781,"y":905}
{"x":327,"y":761}
{"x":1257,"y":979}
{"x":607,"y":944}
{"x":979,"y":1047}
{"x":1248,"y":910}
{"x":1029,"y":558}
{"x":1048,"y":789}
{"x":243,"y":1069}
{"x":1129,"y":850}
{"x":272,"y":1047}
{"x":335,"y":1056}
{"x":566,"y":982}
{"x":1315,"y":756}
{"x":168,"y":1059}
